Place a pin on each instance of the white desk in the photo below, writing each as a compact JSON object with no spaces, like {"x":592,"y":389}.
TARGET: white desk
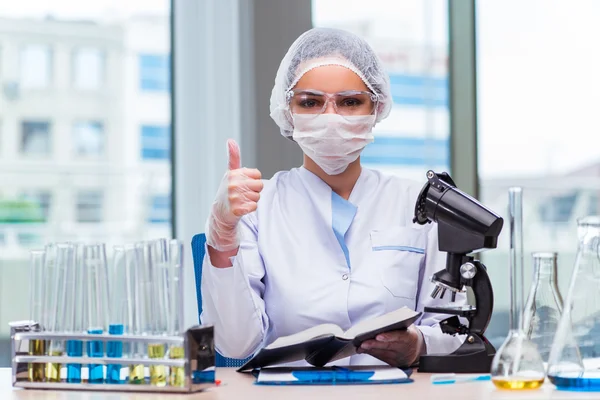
{"x":240,"y":386}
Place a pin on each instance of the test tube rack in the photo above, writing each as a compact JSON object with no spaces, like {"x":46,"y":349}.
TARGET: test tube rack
{"x":198,"y":361}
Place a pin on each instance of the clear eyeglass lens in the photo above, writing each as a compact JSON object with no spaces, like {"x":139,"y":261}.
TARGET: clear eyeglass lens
{"x":347,"y":104}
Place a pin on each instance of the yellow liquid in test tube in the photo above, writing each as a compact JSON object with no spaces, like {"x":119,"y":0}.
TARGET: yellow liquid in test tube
{"x":136,"y":374}
{"x":53,"y":369}
{"x":176,"y":374}
{"x":518,"y":384}
{"x":37,"y":347}
{"x":158,"y":373}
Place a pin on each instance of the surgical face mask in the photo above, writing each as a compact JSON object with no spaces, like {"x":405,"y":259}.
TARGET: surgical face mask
{"x":333,"y":141}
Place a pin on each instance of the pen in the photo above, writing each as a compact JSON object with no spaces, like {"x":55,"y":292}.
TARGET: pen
{"x":445,"y":379}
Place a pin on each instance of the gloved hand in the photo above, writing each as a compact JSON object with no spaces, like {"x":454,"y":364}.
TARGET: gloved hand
{"x":237,"y":196}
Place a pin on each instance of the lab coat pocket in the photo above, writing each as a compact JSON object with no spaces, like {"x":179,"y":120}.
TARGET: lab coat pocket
{"x":398,"y":253}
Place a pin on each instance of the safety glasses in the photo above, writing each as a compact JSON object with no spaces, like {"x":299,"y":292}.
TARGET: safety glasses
{"x":347,"y":103}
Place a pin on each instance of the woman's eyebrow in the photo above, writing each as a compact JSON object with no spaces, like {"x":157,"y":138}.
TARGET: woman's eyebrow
{"x":311,"y":91}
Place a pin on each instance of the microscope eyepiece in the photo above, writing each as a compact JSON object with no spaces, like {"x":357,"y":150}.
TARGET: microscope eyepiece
{"x":465,"y":225}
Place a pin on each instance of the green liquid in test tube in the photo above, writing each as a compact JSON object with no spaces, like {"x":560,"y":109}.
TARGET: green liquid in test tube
{"x":37,"y":347}
{"x":136,"y":307}
{"x":175,"y":314}
{"x":156,"y":298}
{"x":59,"y":267}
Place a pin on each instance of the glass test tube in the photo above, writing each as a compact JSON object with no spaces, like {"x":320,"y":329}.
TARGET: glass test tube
{"x":75,"y":311}
{"x":156,"y":298}
{"x":37,"y":347}
{"x":136,"y":310}
{"x":59,"y":258}
{"x":50,"y":298}
{"x":117,"y":311}
{"x":175,"y":314}
{"x":97,"y":305}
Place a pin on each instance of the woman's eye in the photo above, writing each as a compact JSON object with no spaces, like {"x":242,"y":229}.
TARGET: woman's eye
{"x":308,"y":103}
{"x":351,"y":102}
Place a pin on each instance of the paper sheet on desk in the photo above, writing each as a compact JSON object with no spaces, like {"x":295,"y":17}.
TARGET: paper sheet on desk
{"x":332,"y":376}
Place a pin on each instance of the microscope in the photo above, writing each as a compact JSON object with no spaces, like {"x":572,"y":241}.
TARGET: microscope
{"x":464,"y":227}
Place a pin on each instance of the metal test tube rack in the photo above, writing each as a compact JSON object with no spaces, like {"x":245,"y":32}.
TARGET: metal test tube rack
{"x":199,"y":359}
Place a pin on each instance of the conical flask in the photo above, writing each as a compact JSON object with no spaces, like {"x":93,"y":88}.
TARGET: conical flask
{"x":544,"y":305}
{"x":517,"y":365}
{"x":574,"y":362}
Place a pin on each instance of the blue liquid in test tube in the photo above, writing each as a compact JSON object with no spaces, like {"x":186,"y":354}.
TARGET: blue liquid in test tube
{"x":75,"y":313}
{"x":74,"y":349}
{"x":114,"y":350}
{"x":118,"y":308}
{"x":94,"y":258}
{"x":95,"y":348}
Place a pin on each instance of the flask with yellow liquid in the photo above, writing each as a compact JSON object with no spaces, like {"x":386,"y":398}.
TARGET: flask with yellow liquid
{"x":517,"y":365}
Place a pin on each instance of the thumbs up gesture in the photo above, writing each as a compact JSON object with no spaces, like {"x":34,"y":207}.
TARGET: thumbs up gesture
{"x":237,"y":196}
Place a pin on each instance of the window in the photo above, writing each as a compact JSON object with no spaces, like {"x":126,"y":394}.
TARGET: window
{"x":537,"y":111}
{"x":156,"y":142}
{"x":71,"y":107}
{"x":36,"y":66}
{"x":88,"y":138}
{"x":90,"y":206}
{"x":558,"y":209}
{"x":154,"y":73}
{"x":88,"y":68}
{"x":160,"y":209}
{"x":411,"y":39}
{"x":407,"y":151}
{"x":35,"y":138}
{"x":39,"y":201}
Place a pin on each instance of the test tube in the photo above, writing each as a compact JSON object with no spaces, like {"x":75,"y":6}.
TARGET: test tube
{"x":75,"y":311}
{"x":136,"y":307}
{"x":37,"y":347}
{"x":156,"y":298}
{"x":175,"y":315}
{"x":117,"y":313}
{"x":58,"y":260}
{"x":97,"y":304}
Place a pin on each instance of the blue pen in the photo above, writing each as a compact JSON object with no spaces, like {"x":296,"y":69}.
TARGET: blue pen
{"x":445,"y":379}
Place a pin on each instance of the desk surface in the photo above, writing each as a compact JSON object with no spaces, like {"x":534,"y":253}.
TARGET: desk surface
{"x":235,"y":385}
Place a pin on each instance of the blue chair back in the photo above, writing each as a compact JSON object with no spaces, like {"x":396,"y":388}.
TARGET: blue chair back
{"x":198,"y":250}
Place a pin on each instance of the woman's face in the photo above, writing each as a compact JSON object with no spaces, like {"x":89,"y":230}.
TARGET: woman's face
{"x":331,"y":79}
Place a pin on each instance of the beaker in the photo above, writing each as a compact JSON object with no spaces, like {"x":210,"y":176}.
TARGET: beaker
{"x":575,"y":355}
{"x":544,"y":303}
{"x":517,"y":365}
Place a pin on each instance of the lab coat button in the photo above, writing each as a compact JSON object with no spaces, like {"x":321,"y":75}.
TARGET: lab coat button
{"x":345,"y":276}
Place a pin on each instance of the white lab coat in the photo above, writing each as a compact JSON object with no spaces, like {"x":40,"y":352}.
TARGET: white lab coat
{"x":309,"y":257}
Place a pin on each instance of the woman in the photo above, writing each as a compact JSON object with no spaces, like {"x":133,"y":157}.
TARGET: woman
{"x":329,"y":242}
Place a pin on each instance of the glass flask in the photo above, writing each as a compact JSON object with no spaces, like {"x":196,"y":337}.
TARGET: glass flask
{"x":574,"y":362}
{"x":544,"y":305}
{"x":517,"y":365}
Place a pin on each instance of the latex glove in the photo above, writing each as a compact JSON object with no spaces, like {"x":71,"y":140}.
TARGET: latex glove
{"x":238,"y":195}
{"x":397,"y":348}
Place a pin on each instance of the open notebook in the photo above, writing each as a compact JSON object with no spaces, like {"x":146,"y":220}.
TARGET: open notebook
{"x":325,"y":343}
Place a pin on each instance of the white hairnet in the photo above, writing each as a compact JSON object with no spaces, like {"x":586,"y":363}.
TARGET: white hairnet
{"x":325,"y":46}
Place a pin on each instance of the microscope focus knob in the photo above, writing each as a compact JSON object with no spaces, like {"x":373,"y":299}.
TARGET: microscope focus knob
{"x":468,"y":270}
